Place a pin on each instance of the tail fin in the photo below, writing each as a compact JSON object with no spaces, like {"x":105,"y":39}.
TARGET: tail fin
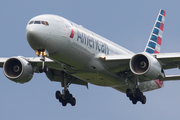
{"x":154,"y":42}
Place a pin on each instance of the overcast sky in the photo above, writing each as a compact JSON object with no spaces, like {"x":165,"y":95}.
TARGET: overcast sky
{"x":125,"y":22}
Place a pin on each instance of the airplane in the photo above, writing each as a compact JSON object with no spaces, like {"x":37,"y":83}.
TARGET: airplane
{"x":71,"y":54}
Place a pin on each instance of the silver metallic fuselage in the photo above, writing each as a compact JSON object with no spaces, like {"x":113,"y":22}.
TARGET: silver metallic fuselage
{"x":77,"y":51}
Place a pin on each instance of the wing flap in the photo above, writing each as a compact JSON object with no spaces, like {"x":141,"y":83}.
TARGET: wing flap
{"x":2,"y":60}
{"x":168,"y":60}
{"x":117,"y":63}
{"x":171,"y":77}
{"x":118,"y":57}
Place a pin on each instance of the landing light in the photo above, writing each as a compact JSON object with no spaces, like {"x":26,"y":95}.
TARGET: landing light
{"x":102,"y":57}
{"x":41,"y":53}
{"x":37,"y":53}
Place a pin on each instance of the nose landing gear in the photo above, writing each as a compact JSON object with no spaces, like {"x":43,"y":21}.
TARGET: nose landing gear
{"x":42,"y":53}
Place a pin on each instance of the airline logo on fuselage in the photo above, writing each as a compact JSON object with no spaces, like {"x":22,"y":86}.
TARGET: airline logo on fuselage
{"x":92,"y":42}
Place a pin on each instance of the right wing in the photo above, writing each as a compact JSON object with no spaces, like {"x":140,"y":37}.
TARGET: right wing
{"x":120,"y":63}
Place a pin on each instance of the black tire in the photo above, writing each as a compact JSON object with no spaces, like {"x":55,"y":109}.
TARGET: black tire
{"x":58,"y":94}
{"x":68,"y":96}
{"x":138,"y":90}
{"x":40,"y":69}
{"x":139,"y":94}
{"x":66,"y":92}
{"x":134,"y":101}
{"x":73,"y":101}
{"x":143,"y":100}
{"x":131,"y":97}
{"x":64,"y":103}
{"x":128,"y":93}
{"x":60,"y":99}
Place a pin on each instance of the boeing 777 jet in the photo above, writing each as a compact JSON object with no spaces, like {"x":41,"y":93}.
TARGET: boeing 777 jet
{"x":70,"y":54}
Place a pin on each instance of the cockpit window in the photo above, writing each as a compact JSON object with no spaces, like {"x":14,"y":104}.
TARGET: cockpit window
{"x":45,"y":23}
{"x":31,"y":22}
{"x":39,"y":22}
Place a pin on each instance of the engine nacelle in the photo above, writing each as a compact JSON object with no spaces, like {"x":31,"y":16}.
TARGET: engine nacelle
{"x":18,"y":69}
{"x":146,"y":66}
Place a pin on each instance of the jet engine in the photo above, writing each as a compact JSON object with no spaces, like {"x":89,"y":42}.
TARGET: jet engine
{"x":18,"y":69}
{"x":146,"y":66}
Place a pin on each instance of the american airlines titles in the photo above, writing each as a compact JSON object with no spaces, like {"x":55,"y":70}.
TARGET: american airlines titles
{"x":92,"y":42}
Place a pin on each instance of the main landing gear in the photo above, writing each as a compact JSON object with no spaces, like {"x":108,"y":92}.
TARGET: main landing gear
{"x":65,"y":97}
{"x":136,"y":96}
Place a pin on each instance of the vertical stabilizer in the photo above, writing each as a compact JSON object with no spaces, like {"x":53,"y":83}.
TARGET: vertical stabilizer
{"x":155,"y":39}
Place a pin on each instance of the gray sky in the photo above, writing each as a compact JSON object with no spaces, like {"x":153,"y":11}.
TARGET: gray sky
{"x":125,"y":22}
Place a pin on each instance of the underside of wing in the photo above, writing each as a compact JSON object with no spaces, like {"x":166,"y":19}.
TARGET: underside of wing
{"x":56,"y":75}
{"x":2,"y":60}
{"x":117,"y":63}
{"x":120,"y":64}
{"x":168,"y":60}
{"x":20,"y":69}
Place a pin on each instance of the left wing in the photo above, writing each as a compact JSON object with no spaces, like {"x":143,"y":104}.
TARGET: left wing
{"x":116,"y":63}
{"x":120,"y":63}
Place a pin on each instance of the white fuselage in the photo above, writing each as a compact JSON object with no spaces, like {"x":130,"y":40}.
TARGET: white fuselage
{"x":76,"y":49}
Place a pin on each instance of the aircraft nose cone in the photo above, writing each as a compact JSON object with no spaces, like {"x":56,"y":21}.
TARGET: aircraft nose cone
{"x":34,"y":37}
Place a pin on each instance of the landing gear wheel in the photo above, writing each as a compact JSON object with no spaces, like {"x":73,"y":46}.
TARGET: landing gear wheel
{"x":128,"y":93}
{"x":73,"y":101}
{"x":58,"y":94}
{"x":136,"y":96}
{"x":45,"y":69}
{"x":64,"y":103}
{"x":143,"y":100}
{"x":40,"y":69}
{"x":66,"y":96}
{"x":134,"y":101}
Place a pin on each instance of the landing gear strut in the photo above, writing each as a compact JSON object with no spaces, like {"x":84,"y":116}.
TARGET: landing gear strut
{"x":65,"y":97}
{"x":43,"y":68}
{"x":42,"y":53}
{"x":136,"y":96}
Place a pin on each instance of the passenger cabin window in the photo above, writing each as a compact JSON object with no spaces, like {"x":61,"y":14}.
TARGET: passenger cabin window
{"x":39,"y":22}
